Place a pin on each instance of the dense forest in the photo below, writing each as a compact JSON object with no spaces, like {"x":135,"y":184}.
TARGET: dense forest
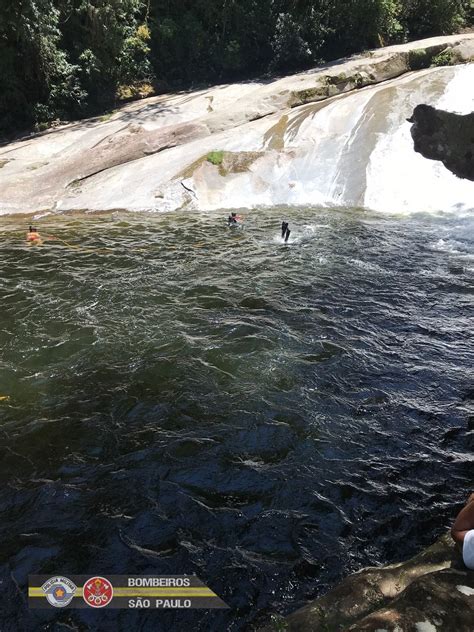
{"x":62,"y":59}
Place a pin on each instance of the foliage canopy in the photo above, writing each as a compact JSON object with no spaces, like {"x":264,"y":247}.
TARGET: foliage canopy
{"x":72,"y":58}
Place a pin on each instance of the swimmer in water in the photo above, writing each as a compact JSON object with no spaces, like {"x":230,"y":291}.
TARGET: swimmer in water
{"x":33,"y":237}
{"x":285,"y":231}
{"x":234,"y":219}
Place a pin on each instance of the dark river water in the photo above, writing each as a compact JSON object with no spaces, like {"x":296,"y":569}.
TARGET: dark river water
{"x":178,"y":397}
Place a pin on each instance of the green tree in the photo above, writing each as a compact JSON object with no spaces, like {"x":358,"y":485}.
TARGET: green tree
{"x":423,"y":18}
{"x":295,"y":43}
{"x":361,"y":24}
{"x":109,"y":41}
{"x":65,"y":58}
{"x":37,"y":82}
{"x":198,"y":40}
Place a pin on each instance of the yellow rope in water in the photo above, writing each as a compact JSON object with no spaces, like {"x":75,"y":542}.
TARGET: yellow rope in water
{"x":105,"y":249}
{"x":75,"y":247}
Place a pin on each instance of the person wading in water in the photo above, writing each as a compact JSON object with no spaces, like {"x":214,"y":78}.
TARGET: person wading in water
{"x":33,"y":237}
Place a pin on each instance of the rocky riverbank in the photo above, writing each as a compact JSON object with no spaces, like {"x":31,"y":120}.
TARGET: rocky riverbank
{"x":153,"y":155}
{"x":433,"y":592}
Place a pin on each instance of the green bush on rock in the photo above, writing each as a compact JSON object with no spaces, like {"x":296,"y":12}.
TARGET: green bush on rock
{"x":446,"y":58}
{"x":418,"y":59}
{"x":215,"y":157}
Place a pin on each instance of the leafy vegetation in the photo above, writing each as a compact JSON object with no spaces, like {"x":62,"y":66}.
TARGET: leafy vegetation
{"x":215,"y":157}
{"x":62,"y":59}
{"x":418,"y":59}
{"x":445,"y":58}
{"x":424,"y":18}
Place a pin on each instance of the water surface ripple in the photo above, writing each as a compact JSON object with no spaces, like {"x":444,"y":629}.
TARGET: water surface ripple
{"x":189,"y":399}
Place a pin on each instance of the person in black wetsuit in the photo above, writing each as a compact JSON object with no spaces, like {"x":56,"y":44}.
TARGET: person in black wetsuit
{"x":285,"y":231}
{"x":234,"y":219}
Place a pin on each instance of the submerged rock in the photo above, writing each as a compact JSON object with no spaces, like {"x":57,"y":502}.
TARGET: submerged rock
{"x":445,"y":136}
{"x":432,"y":592}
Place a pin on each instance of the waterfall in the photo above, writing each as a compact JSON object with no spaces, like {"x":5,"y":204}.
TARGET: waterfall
{"x":352,"y":150}
{"x":355,"y":150}
{"x":401,"y":180}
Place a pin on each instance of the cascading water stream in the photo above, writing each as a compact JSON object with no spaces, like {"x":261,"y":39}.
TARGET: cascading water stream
{"x":400,"y":179}
{"x":354,"y":151}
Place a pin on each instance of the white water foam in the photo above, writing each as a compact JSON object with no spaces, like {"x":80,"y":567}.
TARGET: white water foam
{"x":402,"y":181}
{"x":356,"y":151}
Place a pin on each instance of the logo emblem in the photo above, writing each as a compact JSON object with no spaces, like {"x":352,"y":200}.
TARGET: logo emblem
{"x":59,"y":591}
{"x":98,"y":592}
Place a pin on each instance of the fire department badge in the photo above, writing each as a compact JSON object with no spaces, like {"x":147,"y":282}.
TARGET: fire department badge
{"x":59,"y":591}
{"x":98,"y":592}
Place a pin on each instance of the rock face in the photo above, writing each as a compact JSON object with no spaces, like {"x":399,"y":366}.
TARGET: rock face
{"x":464,"y":51}
{"x":433,"y":592}
{"x":445,"y":136}
{"x":294,"y":135}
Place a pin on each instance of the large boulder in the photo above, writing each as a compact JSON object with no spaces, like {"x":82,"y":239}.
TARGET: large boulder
{"x":464,"y":51}
{"x":445,"y":136}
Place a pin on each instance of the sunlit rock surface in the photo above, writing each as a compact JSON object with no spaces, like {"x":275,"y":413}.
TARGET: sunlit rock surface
{"x":432,"y":592}
{"x":447,"y":137}
{"x":335,"y":135}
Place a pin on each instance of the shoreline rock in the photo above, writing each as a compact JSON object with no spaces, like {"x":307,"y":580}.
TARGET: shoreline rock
{"x":432,"y":592}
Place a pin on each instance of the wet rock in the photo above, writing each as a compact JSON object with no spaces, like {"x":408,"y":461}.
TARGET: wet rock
{"x":445,"y":136}
{"x":442,"y":601}
{"x":431,"y":592}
